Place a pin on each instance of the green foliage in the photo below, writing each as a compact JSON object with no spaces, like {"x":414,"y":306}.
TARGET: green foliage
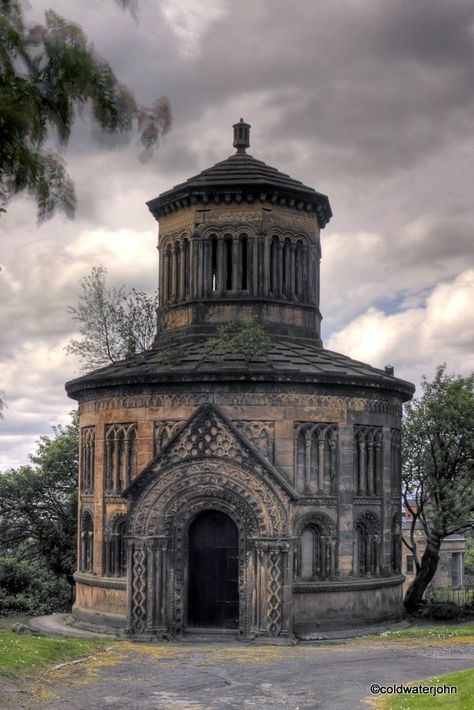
{"x":48,"y":73}
{"x":114,"y":324}
{"x":438,"y":466}
{"x":38,"y":510}
{"x":26,"y":655}
{"x":28,"y":587}
{"x":245,"y":339}
{"x":461,"y":700}
{"x":430,"y":632}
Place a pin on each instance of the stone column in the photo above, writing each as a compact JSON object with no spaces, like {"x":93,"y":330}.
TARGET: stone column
{"x":305,"y":291}
{"x":174,"y":272}
{"x":307,"y":459}
{"x":116,"y":466}
{"x":362,"y":466}
{"x":182,"y":274}
{"x":266,"y":266}
{"x":370,"y":468}
{"x":194,"y":268}
{"x":279,"y":280}
{"x":164,"y":283}
{"x":321,"y":463}
{"x":385,"y":472}
{"x":137,"y":566}
{"x":236,"y":263}
{"x":221,"y":268}
{"x":345,"y":499}
{"x":292,"y":256}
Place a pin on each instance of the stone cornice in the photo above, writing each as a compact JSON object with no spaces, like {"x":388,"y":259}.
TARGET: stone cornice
{"x":92,"y":580}
{"x":346,"y":585}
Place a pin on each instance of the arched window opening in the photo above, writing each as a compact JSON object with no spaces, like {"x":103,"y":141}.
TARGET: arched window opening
{"x":87,"y":543}
{"x":244,"y":262}
{"x":169,"y":273}
{"x":317,"y":550}
{"x":186,"y":274}
{"x":307,"y":553}
{"x":368,"y":460}
{"x":273,"y":266}
{"x":115,"y":557}
{"x":178,"y":271}
{"x":286,"y":269}
{"x":316,"y":457}
{"x":367,"y":546}
{"x":300,"y":460}
{"x":396,"y":556}
{"x":228,"y":262}
{"x":299,"y":270}
{"x":395,"y":462}
{"x":87,"y":459}
{"x":213,"y":264}
{"x":120,"y":456}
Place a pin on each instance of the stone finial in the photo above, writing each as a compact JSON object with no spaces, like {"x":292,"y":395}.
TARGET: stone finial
{"x":241,"y":136}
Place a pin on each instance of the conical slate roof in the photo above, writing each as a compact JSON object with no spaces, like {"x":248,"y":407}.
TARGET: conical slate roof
{"x":243,"y":177}
{"x":288,"y":360}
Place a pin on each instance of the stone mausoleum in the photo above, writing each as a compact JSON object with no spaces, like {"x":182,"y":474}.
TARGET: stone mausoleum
{"x":255,"y":494}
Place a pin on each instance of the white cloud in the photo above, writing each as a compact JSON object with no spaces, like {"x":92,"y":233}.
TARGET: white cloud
{"x":416,"y":340}
{"x":190,"y":19}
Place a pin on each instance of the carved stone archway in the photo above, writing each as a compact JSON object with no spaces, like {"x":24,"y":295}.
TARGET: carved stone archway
{"x":158,"y":536}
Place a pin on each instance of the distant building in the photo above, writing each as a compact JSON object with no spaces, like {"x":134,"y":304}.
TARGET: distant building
{"x":450,"y":572}
{"x":258,"y":495}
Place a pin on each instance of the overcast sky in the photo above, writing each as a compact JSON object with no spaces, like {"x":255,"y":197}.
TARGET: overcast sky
{"x":368,"y":101}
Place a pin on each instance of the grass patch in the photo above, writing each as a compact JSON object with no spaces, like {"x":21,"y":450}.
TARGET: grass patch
{"x":430,"y":632}
{"x":24,"y":655}
{"x":462,"y":700}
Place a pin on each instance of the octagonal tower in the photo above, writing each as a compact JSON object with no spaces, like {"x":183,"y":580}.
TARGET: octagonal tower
{"x":256,"y":494}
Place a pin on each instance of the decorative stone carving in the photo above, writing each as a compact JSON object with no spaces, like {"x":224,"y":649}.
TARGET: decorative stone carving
{"x":115,"y":563}
{"x":395,"y":461}
{"x":261,"y":434}
{"x":163,"y":431}
{"x":209,"y":435}
{"x":87,"y":448}
{"x":316,"y":547}
{"x":259,"y":505}
{"x":215,"y":395}
{"x":316,"y":457}
{"x":120,"y":456}
{"x":368,"y":460}
{"x":367,"y":539}
{"x":138,"y":591}
{"x":274,"y":593}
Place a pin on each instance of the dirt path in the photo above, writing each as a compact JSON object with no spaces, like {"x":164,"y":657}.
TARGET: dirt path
{"x":233,"y":675}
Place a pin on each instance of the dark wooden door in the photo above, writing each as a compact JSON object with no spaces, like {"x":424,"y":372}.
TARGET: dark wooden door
{"x":213,"y":591}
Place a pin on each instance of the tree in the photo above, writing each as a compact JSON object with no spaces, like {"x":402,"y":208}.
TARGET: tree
{"x":38,"y":513}
{"x":47,"y":73}
{"x":437,"y":470}
{"x":114,"y":324}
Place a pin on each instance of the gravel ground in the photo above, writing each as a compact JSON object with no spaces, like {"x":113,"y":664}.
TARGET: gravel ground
{"x":216,"y":676}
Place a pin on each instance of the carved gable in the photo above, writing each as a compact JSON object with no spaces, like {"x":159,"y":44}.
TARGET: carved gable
{"x":209,"y":434}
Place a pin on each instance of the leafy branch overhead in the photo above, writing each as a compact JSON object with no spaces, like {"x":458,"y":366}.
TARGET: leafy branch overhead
{"x":47,"y":74}
{"x":246,"y":338}
{"x":114,"y":323}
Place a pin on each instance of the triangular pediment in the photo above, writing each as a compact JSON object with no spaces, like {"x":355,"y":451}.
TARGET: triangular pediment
{"x":210,"y":434}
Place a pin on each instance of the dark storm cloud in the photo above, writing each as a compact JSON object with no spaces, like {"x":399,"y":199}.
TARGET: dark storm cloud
{"x":369,"y":101}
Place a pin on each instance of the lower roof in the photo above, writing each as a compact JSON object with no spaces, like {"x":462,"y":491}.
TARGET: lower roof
{"x":287,"y":360}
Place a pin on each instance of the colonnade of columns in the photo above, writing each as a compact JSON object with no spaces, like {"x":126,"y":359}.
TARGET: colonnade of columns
{"x":225,"y":264}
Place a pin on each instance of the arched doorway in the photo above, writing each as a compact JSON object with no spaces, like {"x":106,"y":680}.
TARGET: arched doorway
{"x":213,"y":590}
